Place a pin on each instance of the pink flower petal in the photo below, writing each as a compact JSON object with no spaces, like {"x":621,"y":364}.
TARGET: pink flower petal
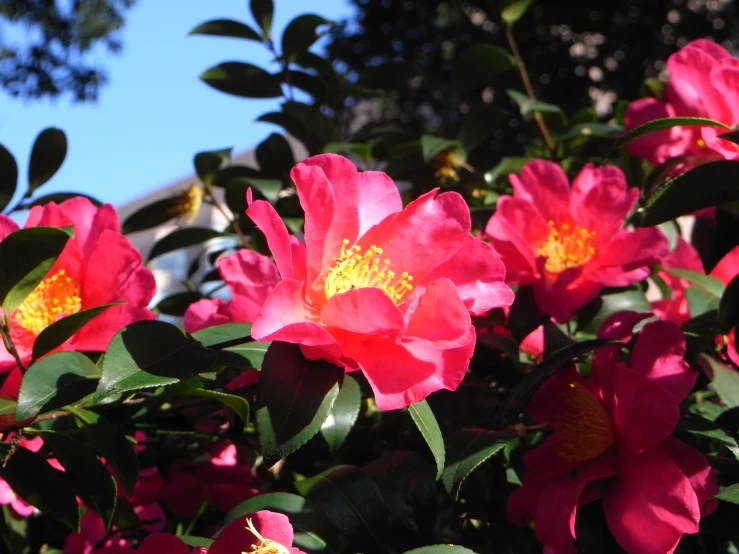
{"x":378,"y":198}
{"x":601,"y":199}
{"x":266,"y":219}
{"x":728,"y":267}
{"x":365,"y":311}
{"x":545,"y":186}
{"x":249,"y":274}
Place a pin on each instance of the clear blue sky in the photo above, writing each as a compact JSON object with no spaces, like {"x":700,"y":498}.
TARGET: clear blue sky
{"x":155,"y":113}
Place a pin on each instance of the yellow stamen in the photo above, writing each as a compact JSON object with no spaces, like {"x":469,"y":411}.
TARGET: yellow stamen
{"x":187,"y":205}
{"x":265,"y":546}
{"x":566,"y":246}
{"x":353,"y":270}
{"x":54,"y":297}
{"x":581,"y":429}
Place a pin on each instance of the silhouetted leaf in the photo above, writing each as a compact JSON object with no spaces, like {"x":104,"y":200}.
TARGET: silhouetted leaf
{"x":242,"y":79}
{"x":47,"y":156}
{"x":226,"y":28}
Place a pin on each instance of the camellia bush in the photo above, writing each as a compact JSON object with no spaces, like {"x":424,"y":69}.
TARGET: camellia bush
{"x":387,"y":349}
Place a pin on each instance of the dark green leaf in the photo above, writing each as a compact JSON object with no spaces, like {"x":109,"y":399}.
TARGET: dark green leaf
{"x":478,"y":65}
{"x":149,"y":354}
{"x":654,"y":87}
{"x":732,"y":136}
{"x":441,"y":548}
{"x":602,"y":130}
{"x":466,"y":450}
{"x":270,"y":188}
{"x":176,"y":304}
{"x":242,"y":79}
{"x":8,"y":177}
{"x":58,"y":332}
{"x":627,"y":300}
{"x":700,"y":426}
{"x":182,"y":238}
{"x":189,"y":540}
{"x":700,"y":301}
{"x":311,"y":84}
{"x":207,"y":163}
{"x":233,"y":344}
{"x":709,"y":283}
{"x":111,"y":444}
{"x":294,"y":398}
{"x":362,"y":150}
{"x":274,"y":156}
{"x":151,"y":215}
{"x":729,"y":494}
{"x":526,"y":105}
{"x":725,"y":380}
{"x":54,"y":382}
{"x":57,"y":197}
{"x":300,"y":34}
{"x":35,"y":481}
{"x":728,"y":309}
{"x":26,"y":256}
{"x":432,"y":146}
{"x":226,"y":28}
{"x":525,"y":314}
{"x":262,"y":11}
{"x":237,"y":404}
{"x":480,"y":122}
{"x":426,"y":422}
{"x":92,"y":481}
{"x":506,"y":166}
{"x":47,"y":156}
{"x":292,"y":125}
{"x":665,"y":123}
{"x":343,"y":414}
{"x":511,"y":12}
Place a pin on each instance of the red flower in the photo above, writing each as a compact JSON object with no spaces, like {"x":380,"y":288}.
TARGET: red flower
{"x":569,"y":243}
{"x":375,"y":287}
{"x":611,"y":440}
{"x":98,"y":266}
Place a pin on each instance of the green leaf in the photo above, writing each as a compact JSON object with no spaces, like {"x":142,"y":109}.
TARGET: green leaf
{"x":729,"y":494}
{"x":176,"y":304}
{"x":207,"y":163}
{"x":512,"y":11}
{"x":467,"y":449}
{"x":700,"y":426}
{"x":728,"y":308}
{"x":665,"y":123}
{"x":294,"y":398}
{"x":182,"y":238}
{"x":148,"y":354}
{"x":54,"y":382}
{"x":626,"y":300}
{"x":707,"y":282}
{"x":654,"y":87}
{"x":190,"y":540}
{"x":151,"y":215}
{"x":58,"y":332}
{"x":233,"y":344}
{"x":300,"y":34}
{"x":263,"y":11}
{"x":274,"y":156}
{"x":35,"y":481}
{"x":732,"y":136}
{"x":242,"y":79}
{"x":26,"y":256}
{"x":479,"y":123}
{"x":93,"y":483}
{"x":505,"y":167}
{"x":226,"y":28}
{"x":426,"y":422}
{"x":479,"y":65}
{"x":526,"y":105}
{"x":351,"y":501}
{"x":700,"y":301}
{"x":441,"y":548}
{"x":237,"y":404}
{"x":8,"y":177}
{"x":343,"y":414}
{"x":525,"y":315}
{"x":292,"y":125}
{"x":111,"y":444}
{"x":47,"y":156}
{"x":270,"y":188}
{"x":432,"y":146}
{"x":725,"y":380}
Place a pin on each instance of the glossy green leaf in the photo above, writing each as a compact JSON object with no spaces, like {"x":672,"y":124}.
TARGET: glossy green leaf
{"x":292,"y":125}
{"x":526,"y":105}
{"x":732,"y":136}
{"x":479,"y":65}
{"x":54,"y":382}
{"x":270,"y":188}
{"x":665,"y":123}
{"x":263,"y":11}
{"x":182,"y":238}
{"x":207,"y":163}
{"x":47,"y":156}
{"x":704,"y":186}
{"x":505,"y":167}
{"x":711,"y":284}
{"x":238,"y":404}
{"x":626,"y":300}
{"x":294,"y":398}
{"x":729,"y":494}
{"x":242,"y":79}
{"x":92,"y":482}
{"x":190,"y":540}
{"x":111,"y":444}
{"x":700,"y":301}
{"x":233,"y":344}
{"x":148,"y":354}
{"x":466,"y":450}
{"x":441,"y":549}
{"x":151,"y":215}
{"x":343,"y":414}
{"x":8,"y":177}
{"x":176,"y":304}
{"x":226,"y":28}
{"x":274,"y":156}
{"x":512,"y":11}
{"x":58,"y":332}
{"x":725,"y":380}
{"x":26,"y":256}
{"x":426,"y":422}
{"x":728,"y":308}
{"x":35,"y":481}
{"x":301,"y":33}
{"x":432,"y":146}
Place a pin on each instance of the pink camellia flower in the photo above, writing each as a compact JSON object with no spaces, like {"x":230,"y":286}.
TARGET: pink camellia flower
{"x":263,"y":531}
{"x":98,"y":266}
{"x":8,"y":497}
{"x":703,"y":83}
{"x":569,"y":243}
{"x":375,"y":287}
{"x":221,"y":479}
{"x":611,"y":440}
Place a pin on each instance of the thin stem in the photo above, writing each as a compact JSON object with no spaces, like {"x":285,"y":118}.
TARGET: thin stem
{"x":9,"y":346}
{"x":529,"y":89}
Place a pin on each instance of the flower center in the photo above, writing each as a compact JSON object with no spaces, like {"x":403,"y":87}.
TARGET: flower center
{"x":581,"y":429}
{"x":566,"y":246}
{"x":353,"y":270}
{"x":265,"y":546}
{"x":54,"y":297}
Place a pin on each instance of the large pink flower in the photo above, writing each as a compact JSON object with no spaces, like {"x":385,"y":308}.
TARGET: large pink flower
{"x":375,"y":287}
{"x":262,"y":529}
{"x":704,"y":82}
{"x":569,"y":243}
{"x":98,"y":266}
{"x":611,"y":440}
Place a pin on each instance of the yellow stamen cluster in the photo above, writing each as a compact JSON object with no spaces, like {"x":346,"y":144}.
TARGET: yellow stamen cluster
{"x":353,"y":270}
{"x":446,"y":164}
{"x":582,"y":428}
{"x":566,"y":246}
{"x":265,"y":546}
{"x":54,"y":297}
{"x":187,"y":205}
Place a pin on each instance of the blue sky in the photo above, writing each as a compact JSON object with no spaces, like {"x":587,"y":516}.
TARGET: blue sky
{"x":155,"y":113}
